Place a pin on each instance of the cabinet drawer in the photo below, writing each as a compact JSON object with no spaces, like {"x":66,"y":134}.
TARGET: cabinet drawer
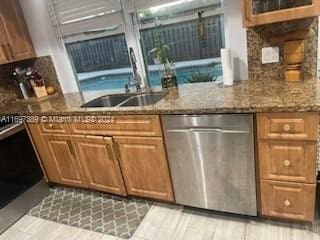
{"x":289,"y":126}
{"x":119,"y":125}
{"x":288,"y":200}
{"x":54,"y":128}
{"x":293,"y":161}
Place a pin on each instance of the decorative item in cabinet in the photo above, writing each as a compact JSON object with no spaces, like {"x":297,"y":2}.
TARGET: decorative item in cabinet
{"x":294,"y":52}
{"x":258,"y":12}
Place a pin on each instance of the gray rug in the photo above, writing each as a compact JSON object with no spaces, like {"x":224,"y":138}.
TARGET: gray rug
{"x":93,"y":211}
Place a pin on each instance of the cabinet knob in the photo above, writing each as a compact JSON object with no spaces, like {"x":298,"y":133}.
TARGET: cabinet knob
{"x":287,"y":203}
{"x":286,"y":163}
{"x":286,"y":127}
{"x":51,"y":125}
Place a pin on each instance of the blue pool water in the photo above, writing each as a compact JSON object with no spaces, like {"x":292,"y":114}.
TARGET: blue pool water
{"x":118,"y":81}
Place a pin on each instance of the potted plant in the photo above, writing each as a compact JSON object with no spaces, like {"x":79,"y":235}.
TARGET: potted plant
{"x":161,"y":56}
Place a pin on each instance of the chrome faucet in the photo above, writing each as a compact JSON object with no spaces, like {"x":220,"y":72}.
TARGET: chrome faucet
{"x":135,"y":79}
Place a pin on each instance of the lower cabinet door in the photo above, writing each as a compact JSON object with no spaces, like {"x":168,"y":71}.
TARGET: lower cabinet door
{"x":61,"y":153}
{"x":99,"y":164}
{"x":144,"y":166}
{"x":288,"y":200}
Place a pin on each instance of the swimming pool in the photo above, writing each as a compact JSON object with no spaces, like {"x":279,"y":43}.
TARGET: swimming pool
{"x":118,"y":81}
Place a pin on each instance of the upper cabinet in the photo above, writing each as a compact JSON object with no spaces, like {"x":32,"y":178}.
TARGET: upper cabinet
{"x":258,"y":12}
{"x":15,"y":41}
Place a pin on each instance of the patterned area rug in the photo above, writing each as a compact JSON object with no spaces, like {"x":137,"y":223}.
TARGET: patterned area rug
{"x":93,"y":211}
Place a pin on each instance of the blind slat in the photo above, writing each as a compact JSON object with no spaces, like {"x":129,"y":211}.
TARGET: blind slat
{"x":106,"y":22}
{"x":133,"y":5}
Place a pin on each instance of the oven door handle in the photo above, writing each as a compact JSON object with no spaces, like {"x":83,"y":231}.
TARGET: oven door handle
{"x":11,"y":130}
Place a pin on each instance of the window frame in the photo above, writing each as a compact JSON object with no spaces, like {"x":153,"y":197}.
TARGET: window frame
{"x":132,"y":33}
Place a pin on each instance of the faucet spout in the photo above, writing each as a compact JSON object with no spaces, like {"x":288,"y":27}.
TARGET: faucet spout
{"x":136,"y":81}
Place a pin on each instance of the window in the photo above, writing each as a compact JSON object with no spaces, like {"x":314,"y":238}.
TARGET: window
{"x":101,"y":63}
{"x":94,"y":35}
{"x":98,"y":33}
{"x":192,"y":30}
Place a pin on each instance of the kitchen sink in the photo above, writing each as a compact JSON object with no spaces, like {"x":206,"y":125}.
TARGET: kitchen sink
{"x":125,"y":100}
{"x":144,"y":99}
{"x":108,"y":101}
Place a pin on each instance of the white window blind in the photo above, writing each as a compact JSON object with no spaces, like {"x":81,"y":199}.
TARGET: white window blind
{"x":143,"y":4}
{"x":77,"y":20}
{"x":158,"y":4}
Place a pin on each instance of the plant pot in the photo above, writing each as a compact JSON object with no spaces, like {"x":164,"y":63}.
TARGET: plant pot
{"x":168,"y":76}
{"x":169,"y":81}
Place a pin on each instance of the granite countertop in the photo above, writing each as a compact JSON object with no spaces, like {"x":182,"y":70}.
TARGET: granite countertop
{"x":244,"y":97}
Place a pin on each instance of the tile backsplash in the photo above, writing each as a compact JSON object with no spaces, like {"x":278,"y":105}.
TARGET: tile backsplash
{"x":259,"y":37}
{"x":43,"y":64}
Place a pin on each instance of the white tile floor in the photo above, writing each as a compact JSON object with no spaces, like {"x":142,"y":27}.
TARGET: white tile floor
{"x":171,"y":222}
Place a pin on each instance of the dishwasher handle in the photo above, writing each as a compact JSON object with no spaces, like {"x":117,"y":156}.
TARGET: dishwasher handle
{"x":206,"y":130}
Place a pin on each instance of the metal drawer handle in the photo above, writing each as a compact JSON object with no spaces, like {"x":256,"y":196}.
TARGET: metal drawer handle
{"x":287,"y":203}
{"x":286,"y":127}
{"x":286,"y":163}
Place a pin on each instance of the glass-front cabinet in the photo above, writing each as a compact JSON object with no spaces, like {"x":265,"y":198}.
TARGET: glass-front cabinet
{"x":259,"y":12}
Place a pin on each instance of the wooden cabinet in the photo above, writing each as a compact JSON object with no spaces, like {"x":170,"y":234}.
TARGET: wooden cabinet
{"x":62,"y":153}
{"x":293,"y":161}
{"x":144,"y":167}
{"x":15,"y":40}
{"x":288,"y":200}
{"x":60,"y":128}
{"x":293,"y":126}
{"x":287,"y":150}
{"x":135,"y":125}
{"x":99,"y":163}
{"x":258,"y":12}
{"x":4,"y":57}
{"x":124,"y":156}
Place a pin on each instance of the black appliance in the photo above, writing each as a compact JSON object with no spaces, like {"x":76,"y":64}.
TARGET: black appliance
{"x":21,"y":178}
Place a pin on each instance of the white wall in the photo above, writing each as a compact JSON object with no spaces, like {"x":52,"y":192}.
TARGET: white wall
{"x":236,"y":37}
{"x":46,"y":42}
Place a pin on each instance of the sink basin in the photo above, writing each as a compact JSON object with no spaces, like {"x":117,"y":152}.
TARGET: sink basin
{"x":144,"y":99}
{"x":125,"y":100}
{"x":108,"y":101}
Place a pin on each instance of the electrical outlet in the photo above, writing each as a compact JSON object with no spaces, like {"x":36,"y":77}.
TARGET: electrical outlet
{"x":270,"y":55}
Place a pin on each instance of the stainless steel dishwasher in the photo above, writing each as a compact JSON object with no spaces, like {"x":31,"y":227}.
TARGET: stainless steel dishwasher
{"x":211,"y":159}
